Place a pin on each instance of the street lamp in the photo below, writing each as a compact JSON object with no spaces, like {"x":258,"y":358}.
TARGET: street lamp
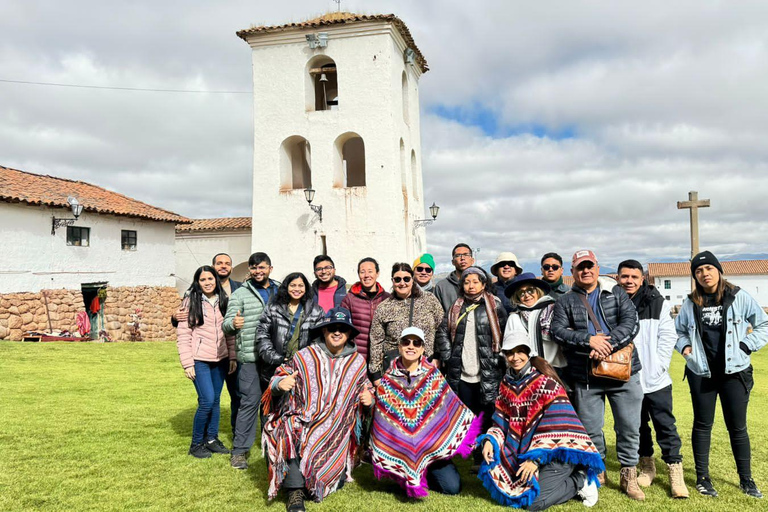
{"x":309,"y":194}
{"x":76,"y":208}
{"x":433,"y":211}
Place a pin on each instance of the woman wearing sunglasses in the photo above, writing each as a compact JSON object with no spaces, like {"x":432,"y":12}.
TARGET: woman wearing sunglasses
{"x":419,"y":424}
{"x":471,"y":335}
{"x":408,"y":306}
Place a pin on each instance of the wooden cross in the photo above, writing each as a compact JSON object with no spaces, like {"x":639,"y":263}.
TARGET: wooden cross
{"x":693,"y":204}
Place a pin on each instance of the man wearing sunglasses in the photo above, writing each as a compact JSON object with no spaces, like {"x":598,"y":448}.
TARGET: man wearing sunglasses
{"x":423,"y":270}
{"x":447,"y":290}
{"x":505,"y":268}
{"x":573,"y":327}
{"x":552,"y":274}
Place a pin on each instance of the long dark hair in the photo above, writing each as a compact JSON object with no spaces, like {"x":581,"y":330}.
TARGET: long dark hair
{"x":196,"y":299}
{"x":697,"y":296}
{"x":545,"y":368}
{"x":283,"y":298}
{"x":404,"y":267}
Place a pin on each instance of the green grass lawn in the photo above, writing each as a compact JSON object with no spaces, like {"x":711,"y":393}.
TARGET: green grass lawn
{"x":107,"y":427}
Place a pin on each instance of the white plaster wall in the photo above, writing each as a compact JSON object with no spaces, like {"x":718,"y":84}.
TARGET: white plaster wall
{"x":755,"y":285}
{"x":32,"y":259}
{"x":374,"y":220}
{"x":196,"y":249}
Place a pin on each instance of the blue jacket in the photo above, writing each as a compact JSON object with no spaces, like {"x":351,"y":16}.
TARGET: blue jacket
{"x":338,"y":295}
{"x":742,"y":312}
{"x":498,"y":289}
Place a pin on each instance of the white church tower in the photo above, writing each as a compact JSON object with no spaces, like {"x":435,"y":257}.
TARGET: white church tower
{"x":336,"y":111}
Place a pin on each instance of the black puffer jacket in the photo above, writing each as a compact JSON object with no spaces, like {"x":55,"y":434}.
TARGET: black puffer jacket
{"x":570,"y":322}
{"x":272,"y":333}
{"x":492,"y":366}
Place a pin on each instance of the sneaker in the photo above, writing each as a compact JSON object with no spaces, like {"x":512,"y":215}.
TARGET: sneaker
{"x":705,"y":487}
{"x":199,"y":451}
{"x":216,"y":446}
{"x":749,"y":487}
{"x":295,"y":501}
{"x":646,"y":472}
{"x":238,"y":461}
{"x":588,"y":492}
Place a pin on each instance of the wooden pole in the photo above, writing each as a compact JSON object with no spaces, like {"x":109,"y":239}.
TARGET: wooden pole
{"x":693,"y":204}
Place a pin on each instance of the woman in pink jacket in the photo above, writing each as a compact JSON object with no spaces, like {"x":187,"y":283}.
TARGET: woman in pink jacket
{"x":206,"y":355}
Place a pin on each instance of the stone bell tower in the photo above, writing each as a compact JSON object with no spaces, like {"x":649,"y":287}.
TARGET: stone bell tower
{"x":336,"y":119}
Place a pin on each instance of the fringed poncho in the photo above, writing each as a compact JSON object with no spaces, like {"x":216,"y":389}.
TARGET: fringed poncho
{"x":533,"y":421}
{"x":417,"y":421}
{"x":318,"y":422}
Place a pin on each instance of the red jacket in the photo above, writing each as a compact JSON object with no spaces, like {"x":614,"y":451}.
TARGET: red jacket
{"x":362,"y":307}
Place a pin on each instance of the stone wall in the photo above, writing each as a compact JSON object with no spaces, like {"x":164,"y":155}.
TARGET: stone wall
{"x":24,"y":312}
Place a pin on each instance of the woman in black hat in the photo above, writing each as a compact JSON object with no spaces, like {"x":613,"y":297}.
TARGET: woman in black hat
{"x":712,"y":330}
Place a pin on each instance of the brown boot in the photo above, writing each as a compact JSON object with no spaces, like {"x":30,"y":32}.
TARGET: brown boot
{"x":602,"y":478}
{"x":676,"y":480}
{"x":646,"y":472}
{"x":629,"y":483}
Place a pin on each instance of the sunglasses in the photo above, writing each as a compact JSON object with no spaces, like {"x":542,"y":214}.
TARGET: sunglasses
{"x":508,"y":264}
{"x":527,"y":291}
{"x":343,"y":329}
{"x":550,"y":267}
{"x":404,"y":342}
{"x":585,"y":265}
{"x":406,"y":279}
{"x":426,"y":270}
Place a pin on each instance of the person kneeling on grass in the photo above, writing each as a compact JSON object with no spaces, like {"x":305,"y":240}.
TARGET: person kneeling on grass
{"x":537,"y":453}
{"x":207,"y":356}
{"x":311,"y":438}
{"x":419,"y":423}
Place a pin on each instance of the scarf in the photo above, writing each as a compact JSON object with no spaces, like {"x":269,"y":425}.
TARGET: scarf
{"x":319,"y":421}
{"x":534,"y":421}
{"x":418,"y":420}
{"x":489,"y":300}
{"x":647,"y":301}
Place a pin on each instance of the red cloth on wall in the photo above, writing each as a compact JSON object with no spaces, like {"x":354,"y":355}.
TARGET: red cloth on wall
{"x":95,"y":305}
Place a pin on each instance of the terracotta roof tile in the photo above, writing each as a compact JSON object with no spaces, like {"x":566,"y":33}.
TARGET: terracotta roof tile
{"x":219,"y":224}
{"x":733,"y":268}
{"x":37,"y":189}
{"x":336,"y":18}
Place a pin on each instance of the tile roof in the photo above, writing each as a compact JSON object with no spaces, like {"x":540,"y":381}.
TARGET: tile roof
{"x":220,"y":224}
{"x":37,"y":189}
{"x":336,"y":18}
{"x":742,"y":267}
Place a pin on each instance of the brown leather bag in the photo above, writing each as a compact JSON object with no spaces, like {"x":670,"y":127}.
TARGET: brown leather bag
{"x":618,"y":365}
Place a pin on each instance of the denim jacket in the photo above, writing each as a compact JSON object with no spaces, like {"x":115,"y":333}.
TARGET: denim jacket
{"x":743,"y":312}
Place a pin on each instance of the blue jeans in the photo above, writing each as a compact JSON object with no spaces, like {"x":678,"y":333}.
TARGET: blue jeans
{"x":209,"y":380}
{"x":443,"y":477}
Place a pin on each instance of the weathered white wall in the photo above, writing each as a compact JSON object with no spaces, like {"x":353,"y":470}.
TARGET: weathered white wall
{"x":755,"y":285}
{"x":32,"y":259}
{"x":376,"y":220}
{"x":196,"y":249}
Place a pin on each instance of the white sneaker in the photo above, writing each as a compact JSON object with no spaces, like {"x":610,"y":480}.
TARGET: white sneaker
{"x":588,"y":492}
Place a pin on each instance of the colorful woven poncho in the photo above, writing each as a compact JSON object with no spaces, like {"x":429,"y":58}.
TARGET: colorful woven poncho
{"x":533,"y":421}
{"x":417,"y":421}
{"x":319,"y":421}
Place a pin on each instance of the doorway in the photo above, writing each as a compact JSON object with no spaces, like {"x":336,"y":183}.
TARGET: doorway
{"x":94,"y":296}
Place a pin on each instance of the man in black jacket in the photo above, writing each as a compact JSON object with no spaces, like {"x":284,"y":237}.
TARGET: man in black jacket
{"x":583,"y":342}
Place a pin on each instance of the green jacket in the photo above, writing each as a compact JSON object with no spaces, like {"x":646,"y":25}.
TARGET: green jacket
{"x":249,"y":303}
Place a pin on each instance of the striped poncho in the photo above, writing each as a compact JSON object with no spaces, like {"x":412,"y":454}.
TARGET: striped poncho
{"x":533,"y":421}
{"x":318,"y":421}
{"x":417,"y":421}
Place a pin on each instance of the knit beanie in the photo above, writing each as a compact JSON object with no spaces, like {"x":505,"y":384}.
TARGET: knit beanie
{"x":705,"y":258}
{"x":425,"y":258}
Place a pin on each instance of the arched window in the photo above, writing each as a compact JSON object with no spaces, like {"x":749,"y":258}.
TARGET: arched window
{"x":295,"y":163}
{"x":405,"y":97}
{"x":322,"y":88}
{"x":350,"y":161}
{"x":415,"y":174}
{"x":403,"y":175}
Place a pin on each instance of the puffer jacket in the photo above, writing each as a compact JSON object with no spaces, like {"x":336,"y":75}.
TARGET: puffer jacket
{"x":743,"y":311}
{"x":247,"y":300}
{"x":272,"y":333}
{"x":492,"y":366}
{"x":362,"y":307}
{"x":205,"y":342}
{"x":570,"y":326}
{"x":655,"y":341}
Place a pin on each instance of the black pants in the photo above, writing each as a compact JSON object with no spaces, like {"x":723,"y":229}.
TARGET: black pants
{"x":471,"y":395}
{"x":234,"y":397}
{"x":657,"y":408}
{"x":558,"y":483}
{"x":734,"y":392}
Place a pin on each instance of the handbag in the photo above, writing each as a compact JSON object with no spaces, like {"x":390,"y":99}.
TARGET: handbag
{"x":618,"y":365}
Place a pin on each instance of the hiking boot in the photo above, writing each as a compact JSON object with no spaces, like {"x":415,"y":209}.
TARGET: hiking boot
{"x":705,"y":487}
{"x":199,"y":451}
{"x":238,"y":461}
{"x":602,"y":478}
{"x":628,"y":483}
{"x":588,"y":492}
{"x":676,"y":480}
{"x":646,"y":472}
{"x":295,"y":501}
{"x":216,"y":446}
{"x":749,"y":487}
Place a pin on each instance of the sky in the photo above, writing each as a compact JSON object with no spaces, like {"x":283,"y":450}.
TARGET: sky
{"x":546,"y":126}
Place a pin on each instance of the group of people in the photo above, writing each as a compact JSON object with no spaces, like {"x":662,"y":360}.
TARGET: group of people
{"x":508,"y":367}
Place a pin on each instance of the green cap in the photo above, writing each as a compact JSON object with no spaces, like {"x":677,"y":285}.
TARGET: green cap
{"x":425,"y":258}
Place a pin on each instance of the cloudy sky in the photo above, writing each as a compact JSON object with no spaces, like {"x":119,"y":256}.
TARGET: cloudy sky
{"x":545,"y":125}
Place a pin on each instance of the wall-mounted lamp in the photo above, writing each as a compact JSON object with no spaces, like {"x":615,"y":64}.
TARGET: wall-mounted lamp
{"x":309,"y":194}
{"x":77,"y":209}
{"x":433,"y":211}
{"x":409,"y":56}
{"x":319,"y":40}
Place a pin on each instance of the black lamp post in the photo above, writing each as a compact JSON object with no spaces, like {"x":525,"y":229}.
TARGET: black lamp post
{"x":77,"y":209}
{"x":309,"y":194}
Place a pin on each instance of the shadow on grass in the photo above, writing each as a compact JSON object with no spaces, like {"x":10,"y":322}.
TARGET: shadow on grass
{"x":181,"y":423}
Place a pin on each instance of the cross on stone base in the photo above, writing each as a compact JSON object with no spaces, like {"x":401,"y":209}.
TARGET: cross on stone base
{"x":693,"y":204}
